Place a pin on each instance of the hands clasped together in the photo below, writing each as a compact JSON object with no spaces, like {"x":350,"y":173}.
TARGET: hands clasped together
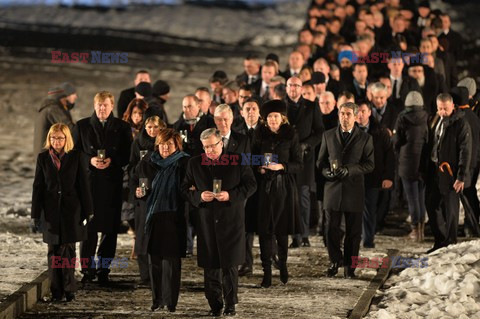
{"x":338,"y":174}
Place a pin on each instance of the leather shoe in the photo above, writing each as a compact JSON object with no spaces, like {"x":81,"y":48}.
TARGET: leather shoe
{"x":214,"y":313}
{"x":69,"y":296}
{"x":284,"y":273}
{"x":88,"y":278}
{"x":103,"y":279}
{"x":156,"y":306}
{"x":294,"y":244}
{"x":305,"y":242}
{"x":229,"y":311}
{"x":349,"y":272}
{"x":275,"y":262}
{"x":267,"y":279}
{"x":171,"y":308}
{"x":245,"y":270}
{"x":332,"y":270}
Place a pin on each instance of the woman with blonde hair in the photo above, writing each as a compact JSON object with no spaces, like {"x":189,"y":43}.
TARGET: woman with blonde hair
{"x":61,"y":206}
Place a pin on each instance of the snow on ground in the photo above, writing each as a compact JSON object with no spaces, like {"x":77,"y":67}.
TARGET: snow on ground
{"x":449,"y":287}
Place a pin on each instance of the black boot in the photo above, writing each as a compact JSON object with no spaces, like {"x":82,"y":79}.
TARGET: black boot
{"x":267,"y":277}
{"x":283,"y":272}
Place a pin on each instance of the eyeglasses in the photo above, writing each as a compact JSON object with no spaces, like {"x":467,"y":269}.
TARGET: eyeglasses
{"x":207,"y":147}
{"x":294,"y":86}
{"x":57,"y":138}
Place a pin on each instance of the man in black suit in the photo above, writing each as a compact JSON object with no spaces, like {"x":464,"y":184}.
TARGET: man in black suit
{"x":251,"y":73}
{"x":262,"y":87}
{"x":233,"y":142}
{"x":321,"y":65}
{"x":384,"y":112}
{"x":192,"y":123}
{"x":358,"y":85}
{"x":428,"y":83}
{"x":455,"y":41}
{"x":230,"y":96}
{"x":401,"y":84}
{"x":104,"y":142}
{"x":346,"y":154}
{"x":221,"y":229}
{"x":295,"y":64}
{"x":127,"y":95}
{"x":306,"y":118}
{"x":383,"y":174}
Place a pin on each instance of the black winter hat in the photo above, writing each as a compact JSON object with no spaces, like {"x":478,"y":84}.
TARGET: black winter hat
{"x":459,"y":95}
{"x":278,"y":106}
{"x":144,"y":89}
{"x":318,"y":78}
{"x":160,"y":88}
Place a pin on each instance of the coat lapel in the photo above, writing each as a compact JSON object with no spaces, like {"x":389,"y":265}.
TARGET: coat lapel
{"x":232,"y":143}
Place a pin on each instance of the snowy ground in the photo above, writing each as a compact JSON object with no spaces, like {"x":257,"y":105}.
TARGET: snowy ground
{"x":448,"y":288}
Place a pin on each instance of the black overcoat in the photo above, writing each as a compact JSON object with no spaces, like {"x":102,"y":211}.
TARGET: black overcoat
{"x":278,"y":210}
{"x":238,"y":143}
{"x":221,"y":225}
{"x":106,"y":185}
{"x":168,"y":235}
{"x":193,"y":146}
{"x":348,"y":194}
{"x":61,"y":199}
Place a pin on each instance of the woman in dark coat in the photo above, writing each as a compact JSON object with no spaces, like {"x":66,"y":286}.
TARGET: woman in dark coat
{"x":278,"y":213}
{"x":165,"y":225}
{"x":411,"y":137}
{"x":61,"y":204}
{"x":142,"y":146}
{"x":134,"y":115}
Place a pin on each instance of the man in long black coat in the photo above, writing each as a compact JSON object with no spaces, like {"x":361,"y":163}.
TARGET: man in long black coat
{"x":346,"y":154}
{"x":306,"y":118}
{"x":221,"y":224}
{"x":102,"y":131}
{"x":127,"y":95}
{"x":451,"y":142}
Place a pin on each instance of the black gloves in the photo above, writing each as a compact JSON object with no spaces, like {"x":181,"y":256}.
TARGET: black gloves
{"x":339,"y":174}
{"x":35,"y":225}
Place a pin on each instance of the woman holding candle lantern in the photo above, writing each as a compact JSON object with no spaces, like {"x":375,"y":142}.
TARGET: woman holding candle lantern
{"x":278,"y":213}
{"x":165,"y":226}
{"x":62,"y":204}
{"x":143,"y":145}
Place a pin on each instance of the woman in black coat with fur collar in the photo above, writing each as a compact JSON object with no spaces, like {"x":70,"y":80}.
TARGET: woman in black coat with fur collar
{"x":61,"y":206}
{"x":278,"y":212}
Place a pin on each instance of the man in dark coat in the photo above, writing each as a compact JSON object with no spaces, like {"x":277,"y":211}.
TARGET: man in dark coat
{"x":221,"y":226}
{"x":321,"y":65}
{"x":104,"y":142}
{"x":306,"y":118}
{"x":251,"y":73}
{"x":460,"y":99}
{"x":55,"y":109}
{"x":358,"y":85}
{"x":192,"y":124}
{"x":451,"y":142}
{"x":383,"y":173}
{"x":346,"y":154}
{"x":384,"y":112}
{"x":127,"y":95}
{"x":428,"y":83}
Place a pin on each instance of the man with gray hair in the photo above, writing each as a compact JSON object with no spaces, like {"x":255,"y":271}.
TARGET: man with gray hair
{"x":346,"y":154}
{"x":232,"y":141}
{"x":219,"y":190}
{"x":451,"y":147}
{"x":384,"y":112}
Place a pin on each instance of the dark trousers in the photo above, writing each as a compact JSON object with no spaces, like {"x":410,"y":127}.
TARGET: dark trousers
{"x":443,"y":212}
{"x":143,"y":267}
{"x":472,"y":197}
{"x":385,"y":197}
{"x":62,"y":279}
{"x":370,"y":215}
{"x":106,"y":249}
{"x":267,"y":244}
{"x":221,"y":280}
{"x":353,"y":236}
{"x":415,"y":193}
{"x":304,"y":197}
{"x":165,"y":273}
{"x":248,"y":249}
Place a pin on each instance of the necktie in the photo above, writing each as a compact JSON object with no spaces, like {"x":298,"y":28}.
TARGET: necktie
{"x":345,"y":136}
{"x":436,"y":141}
{"x":394,"y":89}
{"x":192,"y":126}
{"x":225,"y":142}
{"x":250,"y":79}
{"x":267,"y":92}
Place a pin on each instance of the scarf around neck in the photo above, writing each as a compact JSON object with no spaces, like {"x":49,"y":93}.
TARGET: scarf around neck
{"x":56,"y":157}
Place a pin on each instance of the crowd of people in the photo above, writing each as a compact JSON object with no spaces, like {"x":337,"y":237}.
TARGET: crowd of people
{"x":327,"y":144}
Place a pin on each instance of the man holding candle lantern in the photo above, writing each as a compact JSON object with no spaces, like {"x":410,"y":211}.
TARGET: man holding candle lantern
{"x":219,"y":192}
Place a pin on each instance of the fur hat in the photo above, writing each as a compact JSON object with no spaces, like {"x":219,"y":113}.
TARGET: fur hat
{"x":278,"y":106}
{"x":160,"y":88}
{"x":414,"y":98}
{"x":144,"y":89}
{"x":459,"y":95}
{"x":470,"y":84}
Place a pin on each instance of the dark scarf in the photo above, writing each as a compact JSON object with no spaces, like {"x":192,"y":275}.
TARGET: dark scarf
{"x":165,"y":186}
{"x":56,"y":157}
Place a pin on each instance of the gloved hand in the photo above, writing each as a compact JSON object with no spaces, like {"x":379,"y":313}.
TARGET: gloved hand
{"x":35,"y":225}
{"x":329,"y":175}
{"x":342,"y":172}
{"x":305,"y":149}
